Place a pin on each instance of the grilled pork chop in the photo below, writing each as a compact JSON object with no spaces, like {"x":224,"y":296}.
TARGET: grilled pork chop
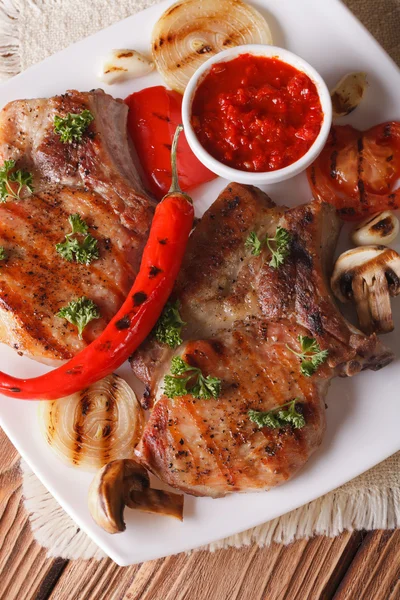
{"x":242,"y":315}
{"x":96,"y":178}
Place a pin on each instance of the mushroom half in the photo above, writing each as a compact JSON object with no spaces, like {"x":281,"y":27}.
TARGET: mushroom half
{"x":368,"y":276}
{"x":123,"y":483}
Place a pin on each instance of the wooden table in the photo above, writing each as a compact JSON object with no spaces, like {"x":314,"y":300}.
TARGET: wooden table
{"x":353,"y":566}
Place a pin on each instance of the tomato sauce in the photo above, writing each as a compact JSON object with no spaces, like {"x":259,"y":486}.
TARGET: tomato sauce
{"x":256,"y":114}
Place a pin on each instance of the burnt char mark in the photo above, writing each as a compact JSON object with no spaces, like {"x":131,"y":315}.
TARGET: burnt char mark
{"x":163,"y":242}
{"x":387,"y":132}
{"x":333,"y":164}
{"x":75,"y":370}
{"x":162,"y":117}
{"x":139,"y":298}
{"x":86,"y":405}
{"x":315,"y":323}
{"x":154,"y":271}
{"x":301,"y":255}
{"x":123,"y":323}
{"x":349,"y":211}
{"x":361,"y":191}
{"x":204,"y":50}
{"x":78,"y":443}
{"x":217,"y":346}
{"x":230,"y":205}
{"x":384,"y":227}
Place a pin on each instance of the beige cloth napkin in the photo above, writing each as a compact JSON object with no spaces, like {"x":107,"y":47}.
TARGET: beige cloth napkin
{"x":30,"y":30}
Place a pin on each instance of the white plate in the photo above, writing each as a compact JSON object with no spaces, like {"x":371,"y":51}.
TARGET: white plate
{"x":363,"y":412}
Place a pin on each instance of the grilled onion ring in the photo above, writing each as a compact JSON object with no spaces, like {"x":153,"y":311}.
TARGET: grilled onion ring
{"x":190,"y":31}
{"x":95,"y":426}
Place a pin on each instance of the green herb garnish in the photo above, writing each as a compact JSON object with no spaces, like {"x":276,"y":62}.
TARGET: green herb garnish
{"x":72,"y":127}
{"x":311,"y":355}
{"x":79,"y":313}
{"x":279,"y":246}
{"x":185,"y":379}
{"x":78,"y":225}
{"x":3,"y":254}
{"x":277,"y":417}
{"x":72,"y":249}
{"x":169,"y":326}
{"x":8,"y":177}
{"x":254,"y":243}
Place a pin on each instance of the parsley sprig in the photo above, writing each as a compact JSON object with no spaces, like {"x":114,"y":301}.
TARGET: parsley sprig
{"x":72,"y":127}
{"x":79,"y":313}
{"x":185,"y":379}
{"x":3,"y":254}
{"x":169,"y":325}
{"x":72,"y":249}
{"x":311,"y":355}
{"x":279,"y":246}
{"x":278,"y":417}
{"x":8,"y":177}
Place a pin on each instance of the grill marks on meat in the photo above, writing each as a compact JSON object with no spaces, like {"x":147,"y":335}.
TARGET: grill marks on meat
{"x":241,"y":316}
{"x":96,"y":178}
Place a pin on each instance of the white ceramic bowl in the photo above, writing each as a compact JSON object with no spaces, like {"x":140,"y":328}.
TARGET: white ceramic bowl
{"x":261,"y":178}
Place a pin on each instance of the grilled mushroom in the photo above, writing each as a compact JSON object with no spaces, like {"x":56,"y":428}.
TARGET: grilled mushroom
{"x":381,"y":228}
{"x":368,"y":276}
{"x":123,"y":483}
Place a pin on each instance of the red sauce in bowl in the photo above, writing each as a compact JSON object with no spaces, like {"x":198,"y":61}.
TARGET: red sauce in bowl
{"x":256,"y":113}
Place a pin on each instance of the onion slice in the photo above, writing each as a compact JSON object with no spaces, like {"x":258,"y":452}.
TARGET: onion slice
{"x":190,"y":31}
{"x":95,"y":426}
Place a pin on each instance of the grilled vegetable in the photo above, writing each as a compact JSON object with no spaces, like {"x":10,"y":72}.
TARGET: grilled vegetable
{"x":126,"y":483}
{"x":154,"y":114}
{"x":381,"y":228}
{"x":189,"y":32}
{"x":368,"y":276}
{"x":336,"y":176}
{"x":348,"y":93}
{"x":90,"y":428}
{"x":121,"y":65}
{"x":161,"y":261}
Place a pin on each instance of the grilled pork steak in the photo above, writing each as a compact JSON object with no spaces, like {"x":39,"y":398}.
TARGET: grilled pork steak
{"x":241,"y":316}
{"x":96,"y":178}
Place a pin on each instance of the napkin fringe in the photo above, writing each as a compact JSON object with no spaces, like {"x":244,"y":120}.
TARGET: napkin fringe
{"x":10,"y":59}
{"x":338,"y":511}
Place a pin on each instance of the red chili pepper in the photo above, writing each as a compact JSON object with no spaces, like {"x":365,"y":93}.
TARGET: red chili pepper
{"x":161,"y":261}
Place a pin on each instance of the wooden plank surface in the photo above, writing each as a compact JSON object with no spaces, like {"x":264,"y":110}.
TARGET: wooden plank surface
{"x":353,"y":566}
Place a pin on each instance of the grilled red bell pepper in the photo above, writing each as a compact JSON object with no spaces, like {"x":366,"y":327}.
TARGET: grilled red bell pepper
{"x":154,"y":114}
{"x":161,"y":261}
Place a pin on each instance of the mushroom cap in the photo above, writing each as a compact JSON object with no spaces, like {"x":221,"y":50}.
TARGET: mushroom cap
{"x":365,"y":261}
{"x":368,"y":276}
{"x":110,"y":489}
